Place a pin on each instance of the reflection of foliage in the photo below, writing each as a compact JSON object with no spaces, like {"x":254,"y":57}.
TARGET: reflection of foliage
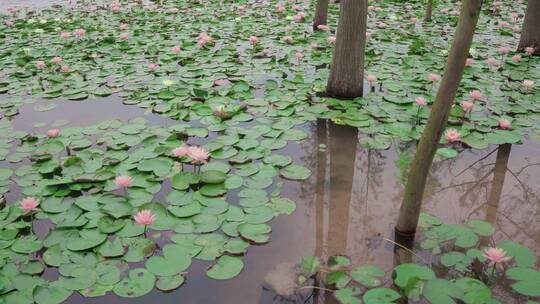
{"x":403,"y":162}
{"x":418,"y":45}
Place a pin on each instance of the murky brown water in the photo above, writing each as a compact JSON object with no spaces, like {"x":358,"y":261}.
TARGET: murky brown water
{"x":347,"y":206}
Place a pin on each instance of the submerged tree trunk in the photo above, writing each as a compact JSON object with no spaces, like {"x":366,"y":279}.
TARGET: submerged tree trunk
{"x":321,"y":13}
{"x":429,"y":10}
{"x":455,"y":64}
{"x":530,"y":33}
{"x":347,"y":71}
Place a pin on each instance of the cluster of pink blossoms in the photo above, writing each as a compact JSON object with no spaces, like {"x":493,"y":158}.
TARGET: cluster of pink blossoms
{"x":204,"y":39}
{"x":199,"y":155}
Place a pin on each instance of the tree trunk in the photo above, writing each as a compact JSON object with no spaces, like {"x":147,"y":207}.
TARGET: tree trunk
{"x":347,"y":71}
{"x":530,"y":33}
{"x":321,"y":13}
{"x":429,"y":10}
{"x":455,"y":64}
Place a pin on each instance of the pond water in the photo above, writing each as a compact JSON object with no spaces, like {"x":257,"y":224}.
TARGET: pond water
{"x":348,"y":206}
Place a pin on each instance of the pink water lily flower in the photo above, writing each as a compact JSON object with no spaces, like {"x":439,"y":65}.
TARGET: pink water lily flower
{"x":253,"y":40}
{"x":504,"y":124}
{"x":173,"y":10}
{"x":515,"y":16}
{"x":452,"y":135}
{"x":467,"y":106}
{"x":56,"y":60}
{"x":65,"y":35}
{"x":53,"y":132}
{"x":287,"y":39}
{"x":504,"y":24}
{"x":13,"y":10}
{"x":421,"y":101}
{"x":331,"y":39}
{"x":476,"y":95}
{"x":198,"y":154}
{"x":181,"y":151}
{"x":204,"y":39}
{"x":29,"y":204}
{"x":492,"y":62}
{"x":296,"y":7}
{"x":123,"y":181}
{"x":152,"y":67}
{"x":516,"y":58}
{"x":79,"y":32}
{"x":9,"y":23}
{"x":469,"y":62}
{"x":504,"y":50}
{"x":123,"y":36}
{"x":371,"y":78}
{"x":434,"y":78}
{"x":496,"y":257}
{"x":40,"y":64}
{"x":323,"y":27}
{"x":123,"y":26}
{"x":280,"y":8}
{"x":64,"y":69}
{"x":299,"y":55}
{"x":516,"y":29}
{"x":299,"y":17}
{"x":176,"y":50}
{"x":115,"y":6}
{"x":529,"y":50}
{"x":144,"y":217}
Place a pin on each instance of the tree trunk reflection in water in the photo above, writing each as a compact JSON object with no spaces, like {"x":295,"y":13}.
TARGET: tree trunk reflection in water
{"x":342,"y":158}
{"x":499,"y":174}
{"x":341,"y":142}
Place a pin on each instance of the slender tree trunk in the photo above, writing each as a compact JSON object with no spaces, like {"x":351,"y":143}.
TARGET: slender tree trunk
{"x":347,"y":71}
{"x":455,"y":64}
{"x":321,"y":13}
{"x":429,"y":10}
{"x":530,"y":33}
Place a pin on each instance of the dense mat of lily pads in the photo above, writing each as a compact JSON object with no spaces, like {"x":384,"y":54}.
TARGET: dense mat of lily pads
{"x":243,"y":78}
{"x":91,"y":182}
{"x":464,"y":268}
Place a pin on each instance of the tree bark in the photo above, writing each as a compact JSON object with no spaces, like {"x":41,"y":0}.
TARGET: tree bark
{"x":429,"y":10}
{"x":321,"y":14}
{"x":455,"y":64}
{"x":530,"y":33}
{"x":347,"y":71}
